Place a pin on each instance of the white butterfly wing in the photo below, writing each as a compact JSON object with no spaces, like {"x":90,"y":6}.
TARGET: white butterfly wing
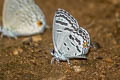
{"x":23,"y":17}
{"x":63,"y":24}
{"x":77,"y":44}
{"x":11,"y":8}
{"x":68,"y":38}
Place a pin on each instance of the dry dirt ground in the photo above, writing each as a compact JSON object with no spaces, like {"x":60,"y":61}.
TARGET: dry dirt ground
{"x":29,"y":58}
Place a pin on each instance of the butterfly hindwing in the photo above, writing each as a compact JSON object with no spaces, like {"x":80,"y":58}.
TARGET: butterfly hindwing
{"x":23,"y":17}
{"x":74,"y":46}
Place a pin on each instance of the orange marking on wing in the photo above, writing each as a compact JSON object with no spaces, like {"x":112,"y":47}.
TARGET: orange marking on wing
{"x":85,"y":44}
{"x":39,"y":23}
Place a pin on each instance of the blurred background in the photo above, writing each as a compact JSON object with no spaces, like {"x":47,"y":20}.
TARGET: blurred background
{"x":29,"y":58}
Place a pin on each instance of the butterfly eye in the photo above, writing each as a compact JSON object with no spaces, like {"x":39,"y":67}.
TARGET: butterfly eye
{"x":39,"y":23}
{"x":53,"y":51}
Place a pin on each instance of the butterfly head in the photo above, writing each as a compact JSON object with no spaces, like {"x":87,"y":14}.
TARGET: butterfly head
{"x":53,"y":52}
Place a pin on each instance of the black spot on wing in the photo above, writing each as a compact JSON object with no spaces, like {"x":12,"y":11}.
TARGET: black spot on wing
{"x":80,"y":31}
{"x":68,"y":29}
{"x":78,"y":49}
{"x":60,"y":52}
{"x":68,"y":48}
{"x":69,"y":21}
{"x":75,"y":54}
{"x":72,"y":44}
{"x":58,"y":30}
{"x":65,"y":44}
{"x":62,"y":23}
{"x":79,"y":34}
{"x":62,"y":11}
{"x":84,"y":33}
{"x":78,"y":41}
{"x":71,"y":37}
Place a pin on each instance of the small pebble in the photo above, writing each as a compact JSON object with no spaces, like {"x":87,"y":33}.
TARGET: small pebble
{"x":78,"y":69}
{"x":20,"y":50}
{"x":109,"y":60}
{"x":15,"y":52}
{"x":36,"y":38}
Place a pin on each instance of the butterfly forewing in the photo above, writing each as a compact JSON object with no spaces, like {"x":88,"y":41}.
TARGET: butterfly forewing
{"x":63,"y":25}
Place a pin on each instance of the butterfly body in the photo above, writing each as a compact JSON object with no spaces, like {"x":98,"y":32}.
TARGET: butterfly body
{"x":22,"y":18}
{"x":70,"y":40}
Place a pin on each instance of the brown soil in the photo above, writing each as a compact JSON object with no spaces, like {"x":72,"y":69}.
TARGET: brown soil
{"x":29,"y":58}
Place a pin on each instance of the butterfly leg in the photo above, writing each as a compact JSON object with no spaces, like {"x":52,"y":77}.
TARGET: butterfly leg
{"x":53,"y":59}
{"x":57,"y":61}
{"x":68,"y":61}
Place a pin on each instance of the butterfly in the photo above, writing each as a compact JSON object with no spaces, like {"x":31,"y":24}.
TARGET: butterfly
{"x":22,"y":18}
{"x":69,"y":40}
